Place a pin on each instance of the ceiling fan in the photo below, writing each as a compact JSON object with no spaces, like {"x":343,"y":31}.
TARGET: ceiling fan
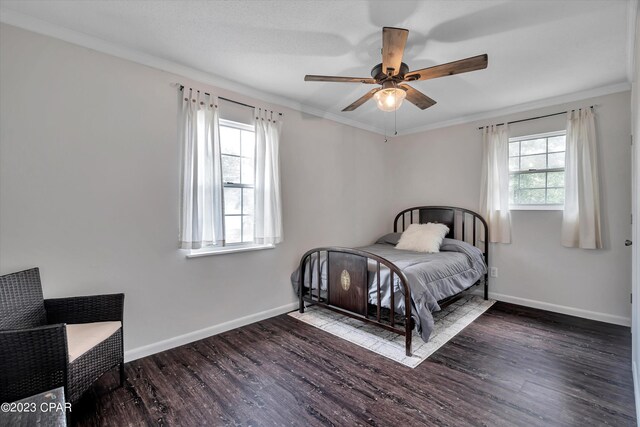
{"x":392,"y":75}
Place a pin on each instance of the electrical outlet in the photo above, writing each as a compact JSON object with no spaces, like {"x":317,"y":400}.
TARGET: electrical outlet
{"x":493,"y":271}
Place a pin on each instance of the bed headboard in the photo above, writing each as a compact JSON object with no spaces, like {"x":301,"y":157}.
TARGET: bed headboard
{"x":463,"y":224}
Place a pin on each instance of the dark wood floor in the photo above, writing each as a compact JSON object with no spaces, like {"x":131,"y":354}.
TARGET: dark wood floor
{"x":513,"y":366}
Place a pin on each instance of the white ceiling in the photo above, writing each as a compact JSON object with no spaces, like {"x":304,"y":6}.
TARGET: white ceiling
{"x":537,"y":49}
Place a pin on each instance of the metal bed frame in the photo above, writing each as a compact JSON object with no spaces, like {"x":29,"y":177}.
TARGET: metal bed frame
{"x":347,"y":271}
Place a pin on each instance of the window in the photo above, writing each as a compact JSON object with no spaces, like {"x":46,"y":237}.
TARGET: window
{"x":536,"y":171}
{"x":230,"y":197}
{"x":237,"y":149}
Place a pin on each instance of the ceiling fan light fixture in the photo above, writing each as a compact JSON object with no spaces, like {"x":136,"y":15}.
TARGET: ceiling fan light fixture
{"x":390,"y":99}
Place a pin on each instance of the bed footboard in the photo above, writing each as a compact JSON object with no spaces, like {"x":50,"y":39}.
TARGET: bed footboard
{"x":347,"y":287}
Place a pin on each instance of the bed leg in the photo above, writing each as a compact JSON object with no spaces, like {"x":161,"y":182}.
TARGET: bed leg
{"x":486,"y":289}
{"x":408,"y":331}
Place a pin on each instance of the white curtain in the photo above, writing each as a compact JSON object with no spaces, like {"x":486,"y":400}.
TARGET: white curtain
{"x":581,"y":217}
{"x":494,"y":191}
{"x":201,"y":192}
{"x":268,"y":199}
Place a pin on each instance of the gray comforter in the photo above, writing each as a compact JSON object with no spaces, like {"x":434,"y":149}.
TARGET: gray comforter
{"x":432,"y":277}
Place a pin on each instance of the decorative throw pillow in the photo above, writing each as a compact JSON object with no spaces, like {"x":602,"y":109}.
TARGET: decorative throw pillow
{"x":390,"y":239}
{"x":423,"y":237}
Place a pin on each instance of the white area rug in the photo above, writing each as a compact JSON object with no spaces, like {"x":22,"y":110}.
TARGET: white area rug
{"x":448,"y":322}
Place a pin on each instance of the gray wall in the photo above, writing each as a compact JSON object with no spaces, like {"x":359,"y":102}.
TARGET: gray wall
{"x":443,"y":167}
{"x":89,"y":192}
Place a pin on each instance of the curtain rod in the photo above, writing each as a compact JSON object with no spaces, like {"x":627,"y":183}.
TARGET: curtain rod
{"x":534,"y":118}
{"x":229,"y":100}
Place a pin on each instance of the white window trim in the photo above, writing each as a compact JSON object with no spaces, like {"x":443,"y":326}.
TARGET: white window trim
{"x":232,"y":249}
{"x":544,"y":207}
{"x":538,"y":135}
{"x":236,"y":125}
{"x":536,"y":207}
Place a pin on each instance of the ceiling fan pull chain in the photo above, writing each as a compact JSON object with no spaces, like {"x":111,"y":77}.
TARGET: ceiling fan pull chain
{"x":395,"y":122}
{"x":384,"y":120}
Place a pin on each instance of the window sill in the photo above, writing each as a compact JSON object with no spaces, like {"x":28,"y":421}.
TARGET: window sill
{"x":537,"y":208}
{"x":197,"y":253}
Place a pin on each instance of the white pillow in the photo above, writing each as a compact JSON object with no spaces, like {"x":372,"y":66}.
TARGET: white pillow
{"x":423,"y":237}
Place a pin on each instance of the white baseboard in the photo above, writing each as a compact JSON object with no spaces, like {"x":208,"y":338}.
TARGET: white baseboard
{"x":636,"y":391}
{"x":563,"y":309}
{"x":146,"y":350}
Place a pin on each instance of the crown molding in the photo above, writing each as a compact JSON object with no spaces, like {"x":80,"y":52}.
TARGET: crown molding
{"x":39,"y":26}
{"x":527,"y":106}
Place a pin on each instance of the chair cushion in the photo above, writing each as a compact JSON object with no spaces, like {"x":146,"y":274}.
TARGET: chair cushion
{"x":82,"y":337}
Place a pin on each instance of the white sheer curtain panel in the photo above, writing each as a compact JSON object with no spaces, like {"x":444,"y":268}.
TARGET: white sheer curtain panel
{"x":201,"y":195}
{"x":268,"y":199}
{"x":581,"y":218}
{"x":494,"y":191}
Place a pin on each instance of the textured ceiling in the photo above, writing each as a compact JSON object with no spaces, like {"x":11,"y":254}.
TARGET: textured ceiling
{"x":537,"y":49}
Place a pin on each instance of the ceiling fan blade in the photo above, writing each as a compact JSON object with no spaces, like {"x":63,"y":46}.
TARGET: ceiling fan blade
{"x":474,"y":63}
{"x":417,"y":98}
{"x":393,"y":43}
{"x":367,"y":96}
{"x":314,"y":78}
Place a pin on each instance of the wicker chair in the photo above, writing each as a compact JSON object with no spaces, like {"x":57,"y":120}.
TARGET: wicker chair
{"x":60,"y":342}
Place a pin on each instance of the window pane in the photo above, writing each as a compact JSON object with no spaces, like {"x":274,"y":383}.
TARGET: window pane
{"x":513,"y":183}
{"x":556,"y":160}
{"x":555,"y":196}
{"x":247,"y":199}
{"x":232,"y":200}
{"x":555,"y":179}
{"x":533,"y":146}
{"x":532,"y":180}
{"x":530,"y":197}
{"x":238,"y":167}
{"x":229,"y":140}
{"x":232,"y":226}
{"x":247,"y":231}
{"x":248,"y":143}
{"x":248,"y":171}
{"x":230,"y":169}
{"x":529,"y":183}
{"x":557,"y":143}
{"x":514,"y":149}
{"x":533,"y":162}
